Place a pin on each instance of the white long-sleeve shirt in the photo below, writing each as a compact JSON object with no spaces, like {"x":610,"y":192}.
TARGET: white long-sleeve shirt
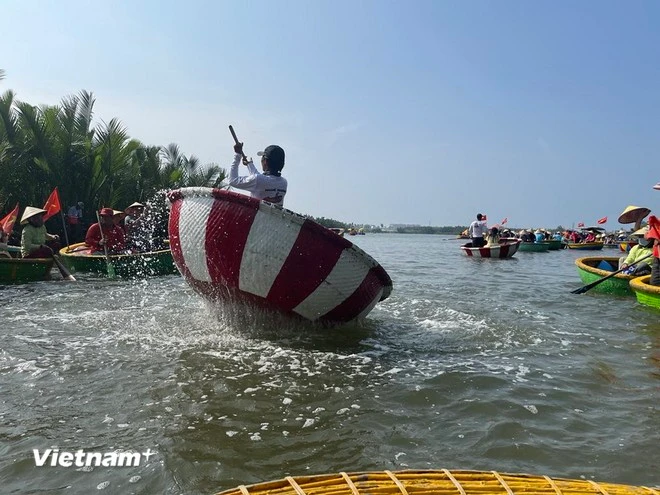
{"x":269,"y":188}
{"x":478,"y":228}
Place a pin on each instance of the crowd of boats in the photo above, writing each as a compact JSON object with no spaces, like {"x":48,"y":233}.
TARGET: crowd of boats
{"x":602,"y":273}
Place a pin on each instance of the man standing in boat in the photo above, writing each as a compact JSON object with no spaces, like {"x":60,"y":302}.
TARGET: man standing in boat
{"x":267,"y":186}
{"x":477,"y":230}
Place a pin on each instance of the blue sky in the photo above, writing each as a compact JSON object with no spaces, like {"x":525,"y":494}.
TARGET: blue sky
{"x":422,"y":112}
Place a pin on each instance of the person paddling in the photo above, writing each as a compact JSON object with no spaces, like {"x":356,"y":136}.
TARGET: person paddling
{"x":34,"y":237}
{"x":112,"y":237}
{"x":477,"y":230}
{"x":267,"y":186}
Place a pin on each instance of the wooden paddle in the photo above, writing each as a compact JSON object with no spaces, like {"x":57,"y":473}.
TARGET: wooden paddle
{"x":66,"y":274}
{"x":590,"y":286}
{"x":233,"y":134}
{"x":109,"y":266}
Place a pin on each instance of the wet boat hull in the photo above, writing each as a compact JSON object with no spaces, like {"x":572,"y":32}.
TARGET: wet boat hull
{"x":18,"y":270}
{"x":506,"y":249}
{"x":233,"y":248}
{"x":78,"y":259}
{"x":646,"y":294}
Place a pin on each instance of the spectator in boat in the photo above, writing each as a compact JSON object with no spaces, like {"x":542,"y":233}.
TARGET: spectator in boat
{"x":642,"y":249}
{"x":557,"y":236}
{"x":74,"y":217}
{"x":117,"y":219}
{"x":493,"y":237}
{"x":477,"y":230}
{"x":137,"y":236}
{"x":267,"y":186}
{"x":36,"y":242}
{"x":538,"y":236}
{"x":133,"y":214}
{"x":4,"y":247}
{"x":654,"y":235}
{"x":113,"y":235}
{"x":527,"y":236}
{"x":590,"y":238}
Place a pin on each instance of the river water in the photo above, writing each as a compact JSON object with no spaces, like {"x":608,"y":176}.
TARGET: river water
{"x":470,"y":364}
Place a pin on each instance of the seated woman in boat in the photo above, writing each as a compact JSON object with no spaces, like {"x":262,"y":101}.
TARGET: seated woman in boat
{"x":493,"y":238}
{"x":641,"y":250}
{"x":105,"y":234}
{"x":34,"y":238}
{"x":267,"y":186}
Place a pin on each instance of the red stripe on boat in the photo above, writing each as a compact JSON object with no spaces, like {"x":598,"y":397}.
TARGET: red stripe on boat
{"x":308,"y":264}
{"x":354,"y":304}
{"x":227,"y":228}
{"x":484,"y":252}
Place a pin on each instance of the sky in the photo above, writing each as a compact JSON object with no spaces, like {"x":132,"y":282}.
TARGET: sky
{"x":390,"y":112}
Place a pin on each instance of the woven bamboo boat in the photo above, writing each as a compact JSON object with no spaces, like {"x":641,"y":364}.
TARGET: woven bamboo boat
{"x":586,"y":246}
{"x":534,"y":247}
{"x":236,"y":249}
{"x":506,"y":249}
{"x":588,"y":270}
{"x":434,"y":482}
{"x":646,"y":294}
{"x":17,"y":270}
{"x":79,"y":258}
{"x":555,"y":244}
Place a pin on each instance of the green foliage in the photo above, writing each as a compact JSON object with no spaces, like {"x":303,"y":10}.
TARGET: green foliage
{"x":101,"y":165}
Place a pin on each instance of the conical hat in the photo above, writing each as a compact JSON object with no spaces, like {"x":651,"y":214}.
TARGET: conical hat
{"x":135,"y":205}
{"x":29,"y":212}
{"x":642,"y":231}
{"x":633,"y":213}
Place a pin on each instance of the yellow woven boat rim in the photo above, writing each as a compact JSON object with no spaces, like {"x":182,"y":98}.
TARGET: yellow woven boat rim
{"x":581,"y":263}
{"x":641,"y":284}
{"x":434,"y":482}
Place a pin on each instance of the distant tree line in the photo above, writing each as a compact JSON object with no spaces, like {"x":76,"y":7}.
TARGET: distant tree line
{"x":48,"y":146}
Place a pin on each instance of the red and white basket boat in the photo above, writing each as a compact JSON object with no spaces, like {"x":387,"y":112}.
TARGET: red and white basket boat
{"x":505,"y":249}
{"x":235,"y":248}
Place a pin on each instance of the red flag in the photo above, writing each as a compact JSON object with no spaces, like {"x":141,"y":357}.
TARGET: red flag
{"x":505,"y":220}
{"x":52,"y":205}
{"x":601,"y":221}
{"x":7,"y":223}
{"x":580,"y":224}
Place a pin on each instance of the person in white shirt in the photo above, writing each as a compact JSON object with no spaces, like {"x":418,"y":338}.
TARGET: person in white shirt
{"x":477,"y":230}
{"x":267,"y":186}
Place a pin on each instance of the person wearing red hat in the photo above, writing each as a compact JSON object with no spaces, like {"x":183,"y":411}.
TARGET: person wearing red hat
{"x":654,"y":233}
{"x":105,"y":233}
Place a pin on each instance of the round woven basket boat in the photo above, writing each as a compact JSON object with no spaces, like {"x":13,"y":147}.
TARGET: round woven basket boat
{"x":231,"y":247}
{"x":435,"y":482}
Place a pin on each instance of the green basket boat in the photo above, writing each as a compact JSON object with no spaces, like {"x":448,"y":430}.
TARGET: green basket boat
{"x":534,"y":247}
{"x":555,"y":244}
{"x":648,"y":295}
{"x":588,"y":270}
{"x":585,"y":246}
{"x":78,"y":258}
{"x":435,"y":482}
{"x":18,"y":270}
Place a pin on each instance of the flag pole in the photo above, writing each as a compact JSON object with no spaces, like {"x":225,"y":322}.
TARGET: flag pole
{"x":66,"y":236}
